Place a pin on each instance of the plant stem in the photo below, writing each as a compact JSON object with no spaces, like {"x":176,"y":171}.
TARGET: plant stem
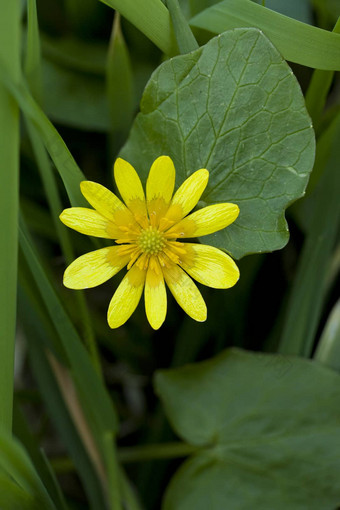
{"x":135,"y":454}
{"x":9,"y":172}
{"x":155,"y":451}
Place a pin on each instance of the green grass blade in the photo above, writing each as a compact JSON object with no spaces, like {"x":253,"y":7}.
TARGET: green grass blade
{"x":32,"y":65}
{"x":33,"y":74}
{"x":39,"y":220}
{"x":37,"y":456}
{"x":16,"y":463}
{"x":309,"y":288}
{"x":56,"y":147}
{"x":185,"y":38}
{"x":298,"y":42}
{"x":41,"y":340}
{"x":51,"y":190}
{"x":328,"y":350}
{"x":130,"y":498}
{"x":13,"y":497}
{"x":101,"y":417}
{"x":113,"y":472}
{"x":86,"y":379}
{"x":54,"y":402}
{"x":318,"y":89}
{"x":151,"y":17}
{"x":9,"y":171}
{"x":120,"y":92}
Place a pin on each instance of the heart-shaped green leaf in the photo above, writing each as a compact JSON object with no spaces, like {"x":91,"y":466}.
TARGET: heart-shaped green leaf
{"x":234,"y":107}
{"x":267,"y":430}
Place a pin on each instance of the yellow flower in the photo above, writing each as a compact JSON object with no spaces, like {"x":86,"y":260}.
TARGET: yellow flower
{"x":146,"y":233}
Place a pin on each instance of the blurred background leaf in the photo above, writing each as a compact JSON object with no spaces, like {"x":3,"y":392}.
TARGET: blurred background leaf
{"x":252,"y":416}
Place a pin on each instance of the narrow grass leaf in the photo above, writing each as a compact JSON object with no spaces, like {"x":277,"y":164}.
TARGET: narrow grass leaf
{"x":318,"y":89}
{"x":309,"y":287}
{"x":184,"y":36}
{"x":15,"y":462}
{"x":87,"y":380}
{"x":40,"y":341}
{"x":101,"y":417}
{"x":54,"y":201}
{"x":113,"y":472}
{"x":79,"y":55}
{"x":32,"y":65}
{"x":39,"y":219}
{"x":9,"y":191}
{"x":62,"y":158}
{"x":120,"y":89}
{"x":129,"y":496}
{"x":14,"y":497}
{"x":151,"y":17}
{"x":328,"y":349}
{"x":298,"y":42}
{"x":55,"y":404}
{"x":33,"y":74}
{"x":51,"y":190}
{"x":37,"y":456}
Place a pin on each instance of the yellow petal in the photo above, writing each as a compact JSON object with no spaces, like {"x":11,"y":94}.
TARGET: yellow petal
{"x":185,"y":292}
{"x":187,"y":195}
{"x":126,"y":297}
{"x":106,"y":203}
{"x":131,"y":189}
{"x":155,"y":295}
{"x":159,"y":187}
{"x":210,"y":266}
{"x":94,"y":268}
{"x":88,"y":221}
{"x":206,"y":221}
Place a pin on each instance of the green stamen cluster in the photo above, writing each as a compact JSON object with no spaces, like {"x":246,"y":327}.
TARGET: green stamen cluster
{"x":151,"y":241}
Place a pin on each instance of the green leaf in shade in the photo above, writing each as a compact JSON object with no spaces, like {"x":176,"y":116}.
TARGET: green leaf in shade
{"x":101,"y":417}
{"x":80,"y":13}
{"x":31,"y":443}
{"x":74,"y":98}
{"x":15,"y":462}
{"x":301,"y":10}
{"x":33,"y":75}
{"x":32,"y":65}
{"x":297,"y":41}
{"x":235,"y":108}
{"x":309,"y":289}
{"x":327,"y":11}
{"x":86,"y":379}
{"x":9,"y":192}
{"x":267,"y":428}
{"x":328,"y":350}
{"x":38,"y":338}
{"x":61,"y":156}
{"x":318,"y":89}
{"x":120,"y":92}
{"x":13,"y":496}
{"x":87,"y":57}
{"x":62,"y":420}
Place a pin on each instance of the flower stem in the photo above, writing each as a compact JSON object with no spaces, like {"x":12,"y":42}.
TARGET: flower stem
{"x":131,"y":454}
{"x":155,"y":451}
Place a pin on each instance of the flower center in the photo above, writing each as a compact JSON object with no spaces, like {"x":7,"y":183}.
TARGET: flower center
{"x":151,"y":241}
